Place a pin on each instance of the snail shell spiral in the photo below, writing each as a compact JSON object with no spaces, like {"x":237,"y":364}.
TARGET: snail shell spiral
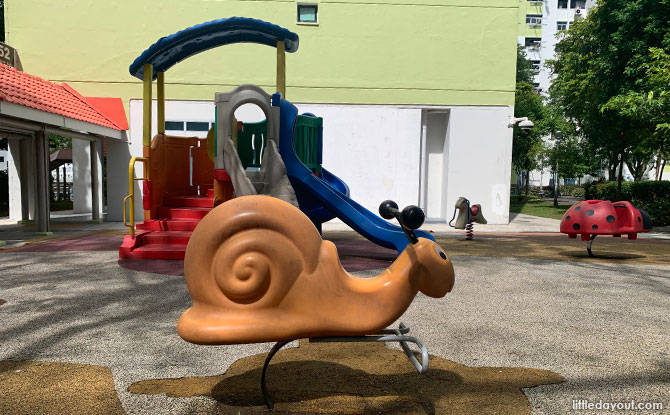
{"x":248,"y":252}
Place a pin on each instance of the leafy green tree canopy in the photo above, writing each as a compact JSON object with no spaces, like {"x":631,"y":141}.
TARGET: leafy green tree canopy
{"x":602,"y":70}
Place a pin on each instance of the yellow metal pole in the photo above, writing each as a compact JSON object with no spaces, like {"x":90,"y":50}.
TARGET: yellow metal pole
{"x":131,"y":195}
{"x":281,"y":68}
{"x":148,"y":74}
{"x":160,"y":96}
{"x":146,"y":151}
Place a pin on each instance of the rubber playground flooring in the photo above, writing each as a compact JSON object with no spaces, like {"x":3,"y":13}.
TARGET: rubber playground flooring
{"x":335,"y":378}
{"x":330,"y":378}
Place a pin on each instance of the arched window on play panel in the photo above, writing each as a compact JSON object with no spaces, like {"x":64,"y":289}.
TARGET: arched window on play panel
{"x":250,"y":135}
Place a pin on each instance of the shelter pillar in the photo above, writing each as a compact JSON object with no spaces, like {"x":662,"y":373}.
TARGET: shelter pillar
{"x":42,"y":176}
{"x":96,"y":191}
{"x":81,"y":176}
{"x":27,"y":178}
{"x":18,"y":172}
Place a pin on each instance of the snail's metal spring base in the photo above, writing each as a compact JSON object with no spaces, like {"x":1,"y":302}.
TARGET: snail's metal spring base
{"x":386,"y":336}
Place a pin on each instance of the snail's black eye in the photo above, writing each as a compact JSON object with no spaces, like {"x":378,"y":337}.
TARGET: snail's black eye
{"x":440,"y":252}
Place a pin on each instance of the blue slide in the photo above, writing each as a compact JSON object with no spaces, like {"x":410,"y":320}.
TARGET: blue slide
{"x":326,"y":197}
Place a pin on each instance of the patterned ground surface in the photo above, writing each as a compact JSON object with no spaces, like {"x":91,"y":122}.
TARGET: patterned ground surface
{"x":81,"y":334}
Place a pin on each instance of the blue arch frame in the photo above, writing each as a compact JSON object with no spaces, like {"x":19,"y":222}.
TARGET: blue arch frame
{"x":170,"y":50}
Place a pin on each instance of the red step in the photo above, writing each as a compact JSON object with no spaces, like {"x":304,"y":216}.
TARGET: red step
{"x":166,"y":238}
{"x":168,"y":212}
{"x":189,"y":201}
{"x":168,"y":225}
{"x":156,"y":252}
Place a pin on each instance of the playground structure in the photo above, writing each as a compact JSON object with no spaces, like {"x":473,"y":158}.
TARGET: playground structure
{"x":255,"y":265}
{"x":467,"y":216}
{"x":591,"y":218}
{"x":206,"y":172}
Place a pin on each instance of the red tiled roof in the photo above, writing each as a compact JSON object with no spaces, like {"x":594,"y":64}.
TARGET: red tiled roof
{"x":32,"y":91}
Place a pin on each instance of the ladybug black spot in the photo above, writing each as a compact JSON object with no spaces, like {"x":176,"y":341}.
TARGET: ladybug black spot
{"x":594,"y":227}
{"x":590,"y":212}
{"x":578,"y":208}
{"x":567,"y":218}
{"x":610,"y":218}
{"x":639,"y":219}
{"x":576,"y":226}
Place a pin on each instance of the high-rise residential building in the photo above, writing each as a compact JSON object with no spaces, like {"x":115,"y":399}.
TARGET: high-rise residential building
{"x":539,"y":23}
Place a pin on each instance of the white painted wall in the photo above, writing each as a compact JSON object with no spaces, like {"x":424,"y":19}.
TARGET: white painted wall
{"x":374,"y":149}
{"x":479,"y":159}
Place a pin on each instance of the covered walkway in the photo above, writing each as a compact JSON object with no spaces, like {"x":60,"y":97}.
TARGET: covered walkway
{"x":31,"y":109}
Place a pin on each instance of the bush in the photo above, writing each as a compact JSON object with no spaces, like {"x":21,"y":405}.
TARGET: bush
{"x":572,"y":190}
{"x":651,"y":196}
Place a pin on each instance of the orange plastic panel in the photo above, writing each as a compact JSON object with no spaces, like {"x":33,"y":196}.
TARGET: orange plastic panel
{"x":171,"y":168}
{"x":203,"y":167}
{"x":258,"y":270}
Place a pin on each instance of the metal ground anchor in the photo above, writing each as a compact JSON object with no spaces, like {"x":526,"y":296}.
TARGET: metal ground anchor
{"x":588,"y":245}
{"x":386,"y":336}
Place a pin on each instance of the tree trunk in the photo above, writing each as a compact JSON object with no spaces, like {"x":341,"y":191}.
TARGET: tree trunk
{"x":619,"y":178}
{"x":527,"y":185}
{"x":659,"y":172}
{"x":611,"y":174}
{"x":662,"y":168}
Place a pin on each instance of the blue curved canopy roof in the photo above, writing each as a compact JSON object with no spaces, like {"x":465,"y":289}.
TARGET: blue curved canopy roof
{"x":172,"y":49}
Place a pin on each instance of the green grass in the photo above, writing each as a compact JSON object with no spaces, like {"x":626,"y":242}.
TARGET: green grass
{"x":61,"y":205}
{"x":538,"y":208}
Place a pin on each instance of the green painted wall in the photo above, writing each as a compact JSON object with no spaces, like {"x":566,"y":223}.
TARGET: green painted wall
{"x":430,"y":52}
{"x":529,"y":7}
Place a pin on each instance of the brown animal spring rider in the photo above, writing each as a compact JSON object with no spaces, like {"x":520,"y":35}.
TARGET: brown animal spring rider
{"x":258,"y":271}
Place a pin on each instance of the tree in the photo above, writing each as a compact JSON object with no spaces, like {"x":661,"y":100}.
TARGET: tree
{"x":601,"y":70}
{"x":59,"y":142}
{"x":526,"y":146}
{"x":524,"y":67}
{"x":658,"y":73}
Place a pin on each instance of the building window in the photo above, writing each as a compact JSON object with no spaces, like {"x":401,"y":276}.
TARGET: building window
{"x":174,"y":125}
{"x":308,"y":13}
{"x":197,"y":126}
{"x":2,"y":159}
{"x":562,"y":4}
{"x":561,"y":25}
{"x":532,"y":42}
{"x":577,"y":4}
{"x":535,"y":66}
{"x":534,"y":19}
